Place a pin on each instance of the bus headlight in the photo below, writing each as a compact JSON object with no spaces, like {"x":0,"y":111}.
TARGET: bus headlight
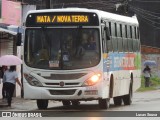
{"x":92,"y":80}
{"x":32,"y":81}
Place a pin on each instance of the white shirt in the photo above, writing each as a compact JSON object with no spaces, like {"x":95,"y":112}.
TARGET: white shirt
{"x":10,"y":76}
{"x":147,"y":74}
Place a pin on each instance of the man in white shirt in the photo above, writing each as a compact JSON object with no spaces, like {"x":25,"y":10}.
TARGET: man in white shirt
{"x":10,"y":77}
{"x":147,"y":75}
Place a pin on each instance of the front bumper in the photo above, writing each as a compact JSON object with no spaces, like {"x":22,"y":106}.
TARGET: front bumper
{"x":74,"y":93}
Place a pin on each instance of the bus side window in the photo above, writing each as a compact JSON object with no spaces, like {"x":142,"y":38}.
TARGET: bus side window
{"x":134,"y":39}
{"x":129,"y":34}
{"x":114,"y":37}
{"x":109,"y":42}
{"x":133,"y":32}
{"x":104,"y":39}
{"x":124,"y":36}
{"x":119,"y":37}
{"x":138,"y":36}
{"x":138,"y":39}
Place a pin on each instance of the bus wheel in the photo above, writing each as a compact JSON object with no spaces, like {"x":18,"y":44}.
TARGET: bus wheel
{"x":127,"y":99}
{"x":42,"y":104}
{"x":117,"y":100}
{"x":104,"y":103}
{"x":75,"y":103}
{"x":66,"y":102}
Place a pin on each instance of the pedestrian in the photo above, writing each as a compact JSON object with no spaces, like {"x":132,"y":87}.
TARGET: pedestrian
{"x":3,"y":69}
{"x":11,"y":77}
{"x":1,"y":74}
{"x":147,"y":75}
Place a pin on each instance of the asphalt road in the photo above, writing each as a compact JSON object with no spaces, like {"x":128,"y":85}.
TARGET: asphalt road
{"x":143,"y":103}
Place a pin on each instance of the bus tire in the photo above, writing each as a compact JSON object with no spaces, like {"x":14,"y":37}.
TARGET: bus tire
{"x":66,"y":102}
{"x":104,"y":103}
{"x":42,"y":104}
{"x":127,"y":99}
{"x":117,"y":100}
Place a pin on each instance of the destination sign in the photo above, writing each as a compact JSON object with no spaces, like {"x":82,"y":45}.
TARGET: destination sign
{"x":62,"y":19}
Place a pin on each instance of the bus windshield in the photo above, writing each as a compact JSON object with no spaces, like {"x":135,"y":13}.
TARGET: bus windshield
{"x":62,"y":48}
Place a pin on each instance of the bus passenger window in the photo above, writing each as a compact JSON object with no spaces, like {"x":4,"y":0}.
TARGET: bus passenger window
{"x":115,"y":29}
{"x":114,"y":39}
{"x":119,"y":38}
{"x":129,"y":40}
{"x":133,"y":32}
{"x":118,"y":30}
{"x":112,"y":29}
{"x":109,"y":42}
{"x":128,"y":32}
{"x":134,"y":39}
{"x":125,"y":41}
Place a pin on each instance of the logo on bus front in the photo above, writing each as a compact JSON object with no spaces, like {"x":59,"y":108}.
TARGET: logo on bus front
{"x":61,"y":83}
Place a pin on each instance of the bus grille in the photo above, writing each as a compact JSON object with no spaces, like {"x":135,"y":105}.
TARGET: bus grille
{"x":62,"y":92}
{"x":64,"y":76}
{"x":65,"y":84}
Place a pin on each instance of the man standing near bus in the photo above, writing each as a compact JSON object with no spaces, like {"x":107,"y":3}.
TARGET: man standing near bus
{"x":147,"y":75}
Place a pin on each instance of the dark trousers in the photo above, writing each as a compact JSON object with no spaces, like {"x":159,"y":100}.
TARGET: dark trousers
{"x":4,"y":91}
{"x":9,"y":90}
{"x":147,"y":81}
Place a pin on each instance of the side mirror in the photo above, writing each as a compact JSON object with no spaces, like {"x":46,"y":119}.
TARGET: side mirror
{"x":19,"y":39}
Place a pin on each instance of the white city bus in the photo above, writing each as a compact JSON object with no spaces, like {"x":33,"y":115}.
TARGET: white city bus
{"x":78,"y":54}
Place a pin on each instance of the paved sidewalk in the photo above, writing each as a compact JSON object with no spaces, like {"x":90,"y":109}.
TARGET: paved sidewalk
{"x":3,"y":103}
{"x":18,"y":103}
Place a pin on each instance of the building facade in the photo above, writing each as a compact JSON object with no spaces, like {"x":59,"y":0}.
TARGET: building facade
{"x":10,"y":23}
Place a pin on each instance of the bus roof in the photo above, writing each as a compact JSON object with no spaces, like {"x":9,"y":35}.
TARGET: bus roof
{"x":101,"y":14}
